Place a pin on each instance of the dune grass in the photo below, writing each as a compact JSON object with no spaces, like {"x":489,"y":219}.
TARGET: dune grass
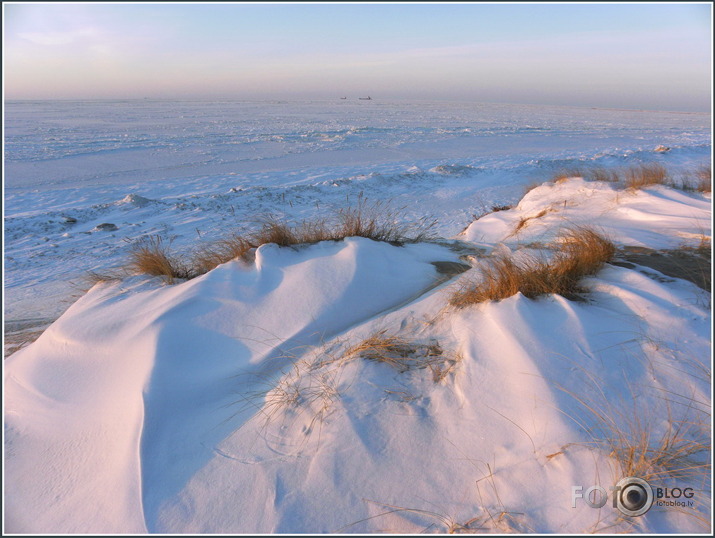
{"x":676,"y":453}
{"x":151,"y":256}
{"x":632,"y":178}
{"x":646,"y":175}
{"x":219,"y":252}
{"x":305,"y":392}
{"x":377,"y":221}
{"x":404,"y":354}
{"x":663,"y":444}
{"x":524,"y":221}
{"x":680,"y":450}
{"x":603,"y":174}
{"x":274,"y":230}
{"x":298,"y":398}
{"x":704,"y":179}
{"x":697,"y":180}
{"x":302,"y":390}
{"x":580,"y":252}
{"x":640,"y":176}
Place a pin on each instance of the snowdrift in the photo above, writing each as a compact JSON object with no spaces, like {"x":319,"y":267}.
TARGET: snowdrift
{"x":244,"y":401}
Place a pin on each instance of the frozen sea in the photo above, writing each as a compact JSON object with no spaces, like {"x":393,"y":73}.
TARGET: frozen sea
{"x":191,"y":171}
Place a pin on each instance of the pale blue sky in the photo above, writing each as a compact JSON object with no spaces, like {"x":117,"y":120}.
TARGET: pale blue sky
{"x":622,"y":55}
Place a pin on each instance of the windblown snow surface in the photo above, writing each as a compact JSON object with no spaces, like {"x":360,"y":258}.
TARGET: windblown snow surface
{"x":243,"y":401}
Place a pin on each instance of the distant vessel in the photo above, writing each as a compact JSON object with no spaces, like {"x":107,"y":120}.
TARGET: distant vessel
{"x":343,"y":98}
{"x":368,"y":98}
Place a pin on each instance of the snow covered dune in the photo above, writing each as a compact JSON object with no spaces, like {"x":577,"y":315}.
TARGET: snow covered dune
{"x":135,"y":370}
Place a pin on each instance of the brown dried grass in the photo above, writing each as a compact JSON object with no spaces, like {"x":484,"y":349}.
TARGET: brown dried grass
{"x":151,"y":256}
{"x":704,"y":179}
{"x":645,"y":175}
{"x":219,"y":252}
{"x":580,"y":252}
{"x":405,"y":355}
{"x":377,"y":221}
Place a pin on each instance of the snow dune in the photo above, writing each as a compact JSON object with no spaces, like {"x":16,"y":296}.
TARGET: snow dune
{"x":655,"y":218}
{"x":133,"y":370}
{"x":232,"y":403}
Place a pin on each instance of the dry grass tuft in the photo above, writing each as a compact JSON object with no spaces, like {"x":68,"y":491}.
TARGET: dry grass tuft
{"x":380,"y":222}
{"x":646,"y":175}
{"x":151,"y":256}
{"x":316,"y":230}
{"x":704,"y":179}
{"x":580,"y":252}
{"x":306,"y":392}
{"x":501,"y":278}
{"x":405,"y":355}
{"x":219,"y":252}
{"x":699,"y":180}
{"x":604,"y":174}
{"x":647,"y":441}
{"x":676,"y":453}
{"x":300,"y":399}
{"x":304,"y":395}
{"x":92,"y":277}
{"x":377,"y":221}
{"x":680,"y":451}
{"x":274,"y":230}
{"x":599,"y":173}
{"x":524,"y":221}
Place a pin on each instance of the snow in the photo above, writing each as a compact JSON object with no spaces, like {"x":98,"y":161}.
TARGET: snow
{"x":231,"y":403}
{"x":657,"y":217}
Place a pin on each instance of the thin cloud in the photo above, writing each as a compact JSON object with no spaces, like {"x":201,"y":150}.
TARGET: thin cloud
{"x":58,"y":38}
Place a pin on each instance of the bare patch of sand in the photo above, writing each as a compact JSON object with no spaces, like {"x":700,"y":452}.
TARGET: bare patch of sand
{"x":693,"y":264}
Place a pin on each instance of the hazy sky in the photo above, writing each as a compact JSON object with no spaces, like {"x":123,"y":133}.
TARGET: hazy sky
{"x":654,"y":56}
